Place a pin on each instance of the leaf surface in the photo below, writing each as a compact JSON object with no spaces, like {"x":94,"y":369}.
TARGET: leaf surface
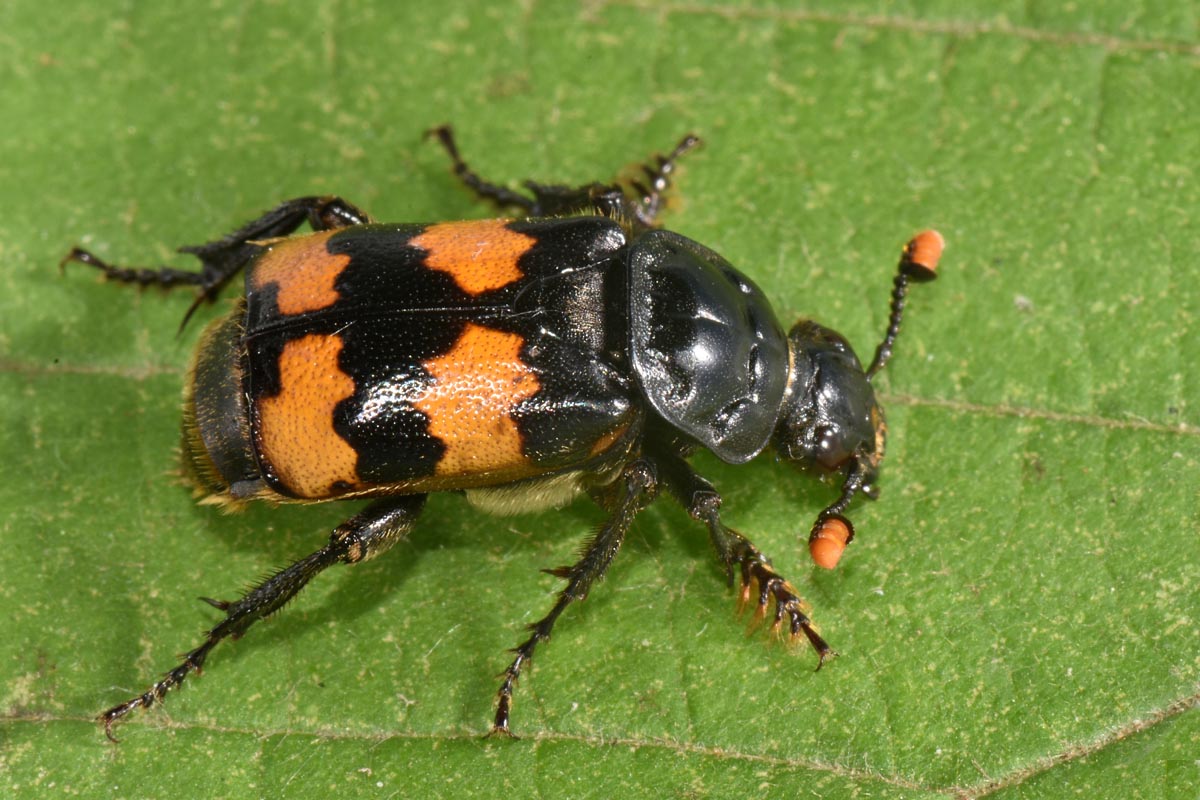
{"x":1018,"y":615}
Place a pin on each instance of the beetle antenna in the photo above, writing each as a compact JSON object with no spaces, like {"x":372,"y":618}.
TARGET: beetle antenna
{"x":850,"y":487}
{"x":918,"y":263}
{"x":832,"y":531}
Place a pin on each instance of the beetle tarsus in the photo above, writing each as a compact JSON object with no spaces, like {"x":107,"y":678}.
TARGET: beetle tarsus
{"x":649,"y":196}
{"x":165,"y":277}
{"x":756,"y":570}
{"x":192,"y":662}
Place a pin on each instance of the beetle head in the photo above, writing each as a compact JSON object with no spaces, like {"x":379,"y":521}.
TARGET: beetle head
{"x":830,"y":421}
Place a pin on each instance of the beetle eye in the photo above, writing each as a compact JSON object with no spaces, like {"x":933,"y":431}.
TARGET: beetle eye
{"x":831,"y":450}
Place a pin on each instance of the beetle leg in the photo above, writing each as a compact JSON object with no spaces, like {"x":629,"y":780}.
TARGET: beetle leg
{"x":549,"y":200}
{"x":225,"y":257}
{"x":703,"y":503}
{"x":638,"y":202}
{"x":366,"y":535}
{"x":485,"y":189}
{"x":638,"y":484}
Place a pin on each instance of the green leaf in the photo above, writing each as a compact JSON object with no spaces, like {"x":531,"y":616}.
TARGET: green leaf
{"x":1018,"y":615}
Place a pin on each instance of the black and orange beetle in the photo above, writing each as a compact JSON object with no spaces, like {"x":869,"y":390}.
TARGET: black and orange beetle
{"x":519,"y":361}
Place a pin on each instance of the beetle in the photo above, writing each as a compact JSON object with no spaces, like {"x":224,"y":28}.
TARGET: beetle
{"x":575,"y":348}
